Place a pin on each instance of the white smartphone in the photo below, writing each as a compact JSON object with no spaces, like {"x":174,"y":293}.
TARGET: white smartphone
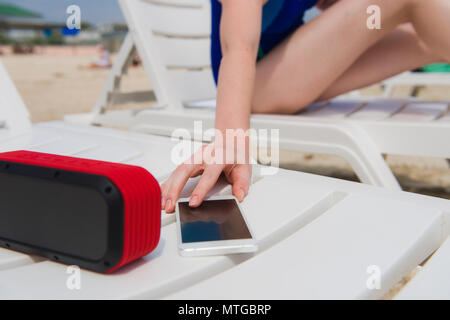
{"x":217,"y":226}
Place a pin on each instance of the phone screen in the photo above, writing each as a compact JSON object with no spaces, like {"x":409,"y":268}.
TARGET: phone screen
{"x":213,"y":220}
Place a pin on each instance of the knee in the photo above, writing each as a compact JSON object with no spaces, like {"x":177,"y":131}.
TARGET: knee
{"x":429,"y":54}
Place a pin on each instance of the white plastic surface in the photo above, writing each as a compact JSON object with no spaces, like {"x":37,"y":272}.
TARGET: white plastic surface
{"x":13,"y":113}
{"x":330,"y":258}
{"x":160,"y":30}
{"x":280,"y":208}
{"x":433,"y":281}
{"x":165,"y":271}
{"x":378,"y":110}
{"x":177,"y":20}
{"x":421,"y":111}
{"x":11,"y":259}
{"x":337,"y":109}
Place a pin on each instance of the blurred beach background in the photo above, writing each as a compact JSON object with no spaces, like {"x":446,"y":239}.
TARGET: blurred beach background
{"x":51,"y":69}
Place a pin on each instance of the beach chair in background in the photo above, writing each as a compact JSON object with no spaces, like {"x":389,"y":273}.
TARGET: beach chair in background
{"x":173,"y":40}
{"x":415,"y":81}
{"x":318,"y":237}
{"x":14,"y":116}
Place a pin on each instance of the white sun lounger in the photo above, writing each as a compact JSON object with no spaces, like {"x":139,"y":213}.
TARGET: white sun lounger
{"x":14,"y":116}
{"x":432,"y":281}
{"x":415,"y":80}
{"x":319,"y":237}
{"x":173,"y":39}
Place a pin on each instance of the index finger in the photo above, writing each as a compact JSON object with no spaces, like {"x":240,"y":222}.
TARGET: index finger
{"x":206,"y":182}
{"x":175,"y":184}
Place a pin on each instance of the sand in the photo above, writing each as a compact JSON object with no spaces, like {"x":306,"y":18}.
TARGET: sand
{"x":55,"y":85}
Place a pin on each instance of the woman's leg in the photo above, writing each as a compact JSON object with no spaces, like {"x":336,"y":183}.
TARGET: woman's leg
{"x":304,"y":66}
{"x":399,"y":51}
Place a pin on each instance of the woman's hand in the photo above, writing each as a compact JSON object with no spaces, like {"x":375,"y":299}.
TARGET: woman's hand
{"x":238,"y":174}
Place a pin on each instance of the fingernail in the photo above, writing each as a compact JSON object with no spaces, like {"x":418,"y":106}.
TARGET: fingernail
{"x":193,"y":201}
{"x":168,"y":205}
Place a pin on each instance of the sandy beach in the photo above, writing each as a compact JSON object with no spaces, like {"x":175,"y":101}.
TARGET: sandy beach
{"x":55,"y":85}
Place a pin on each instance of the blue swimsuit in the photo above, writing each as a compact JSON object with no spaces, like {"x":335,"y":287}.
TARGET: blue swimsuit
{"x":280,"y":19}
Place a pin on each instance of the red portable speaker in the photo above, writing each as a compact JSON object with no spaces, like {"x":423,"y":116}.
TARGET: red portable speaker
{"x":94,"y":214}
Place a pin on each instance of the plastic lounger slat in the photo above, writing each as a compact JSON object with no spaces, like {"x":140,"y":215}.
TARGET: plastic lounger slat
{"x":377,"y":110}
{"x":184,"y":53}
{"x":98,"y":143}
{"x":174,"y":21}
{"x":120,"y":146}
{"x":177,"y":79}
{"x":202,"y":104}
{"x":103,"y":133}
{"x":160,"y":166}
{"x":330,"y":257}
{"x":432,"y":282}
{"x":164,"y":271}
{"x":336,"y":109}
{"x":192,"y":85}
{"x":169,"y":155}
{"x":34,"y":138}
{"x":65,"y":146}
{"x":421,"y":111}
{"x":115,"y":153}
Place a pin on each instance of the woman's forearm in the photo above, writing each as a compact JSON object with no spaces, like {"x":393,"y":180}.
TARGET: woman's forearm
{"x":234,"y":99}
{"x":240,"y":31}
{"x":235,"y":88}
